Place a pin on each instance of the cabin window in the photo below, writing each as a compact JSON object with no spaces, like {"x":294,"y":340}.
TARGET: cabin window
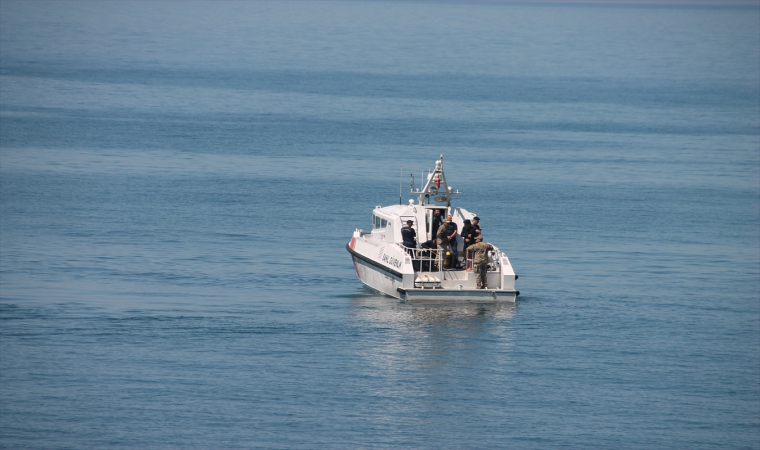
{"x":377,"y":222}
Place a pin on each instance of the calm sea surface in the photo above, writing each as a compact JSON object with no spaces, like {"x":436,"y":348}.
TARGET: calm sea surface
{"x":178,"y":181}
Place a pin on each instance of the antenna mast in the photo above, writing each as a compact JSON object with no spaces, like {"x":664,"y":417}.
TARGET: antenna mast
{"x":400,"y":175}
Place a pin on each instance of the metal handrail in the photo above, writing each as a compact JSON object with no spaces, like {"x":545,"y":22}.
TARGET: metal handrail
{"x":431,"y":260}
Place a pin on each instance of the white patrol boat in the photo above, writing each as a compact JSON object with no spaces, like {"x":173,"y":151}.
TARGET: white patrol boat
{"x":383,"y":263}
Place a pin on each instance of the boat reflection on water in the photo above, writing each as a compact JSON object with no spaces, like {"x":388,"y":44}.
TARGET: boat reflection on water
{"x":389,"y":310}
{"x":429,"y":338}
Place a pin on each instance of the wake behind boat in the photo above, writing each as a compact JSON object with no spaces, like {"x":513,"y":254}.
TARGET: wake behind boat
{"x":423,"y":271}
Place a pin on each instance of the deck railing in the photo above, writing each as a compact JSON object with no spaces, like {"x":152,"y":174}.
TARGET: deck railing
{"x":432,"y":260}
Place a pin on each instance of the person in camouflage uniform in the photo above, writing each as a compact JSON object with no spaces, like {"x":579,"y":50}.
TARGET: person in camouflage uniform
{"x":442,"y":241}
{"x":451,"y":233}
{"x":480,"y":261}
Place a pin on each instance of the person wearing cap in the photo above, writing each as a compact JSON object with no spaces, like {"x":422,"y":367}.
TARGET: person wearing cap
{"x":476,"y":227}
{"x":480,"y":261}
{"x":408,"y":235}
{"x":451,"y":234}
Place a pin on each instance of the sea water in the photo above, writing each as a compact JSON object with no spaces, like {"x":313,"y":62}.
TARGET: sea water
{"x":178,"y":182}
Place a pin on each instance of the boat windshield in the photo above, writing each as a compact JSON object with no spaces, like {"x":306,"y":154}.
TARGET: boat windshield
{"x":378,"y":222}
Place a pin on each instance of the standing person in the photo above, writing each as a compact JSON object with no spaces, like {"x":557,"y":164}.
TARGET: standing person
{"x":467,"y":236}
{"x":442,"y":241}
{"x":476,"y":226}
{"x":408,"y":235}
{"x":436,"y":221}
{"x":480,"y":261}
{"x":451,"y":234}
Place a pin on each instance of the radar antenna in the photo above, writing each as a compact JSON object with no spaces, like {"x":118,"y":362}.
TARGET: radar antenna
{"x":436,"y":187}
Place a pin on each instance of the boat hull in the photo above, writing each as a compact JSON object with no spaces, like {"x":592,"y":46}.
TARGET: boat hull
{"x":377,"y":278}
{"x":391,"y":282}
{"x":464,"y":295}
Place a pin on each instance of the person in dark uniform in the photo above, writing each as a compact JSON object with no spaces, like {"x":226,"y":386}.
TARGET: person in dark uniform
{"x":467,"y":236}
{"x":425,"y":255}
{"x":436,"y":222}
{"x":476,"y":228}
{"x":409,"y":239}
{"x":408,"y":235}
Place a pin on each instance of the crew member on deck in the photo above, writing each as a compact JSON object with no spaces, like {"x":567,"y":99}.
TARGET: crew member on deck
{"x":451,"y":234}
{"x":436,"y":222}
{"x":467,"y":232}
{"x":442,"y":241}
{"x":408,"y":235}
{"x":480,"y":261}
{"x":476,"y":228}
